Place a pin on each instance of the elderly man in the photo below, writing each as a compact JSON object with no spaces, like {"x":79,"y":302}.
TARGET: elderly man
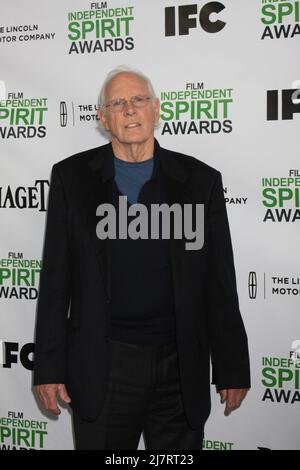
{"x":132,"y":354}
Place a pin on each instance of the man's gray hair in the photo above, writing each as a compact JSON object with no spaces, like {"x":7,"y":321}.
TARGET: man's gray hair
{"x":117,"y":71}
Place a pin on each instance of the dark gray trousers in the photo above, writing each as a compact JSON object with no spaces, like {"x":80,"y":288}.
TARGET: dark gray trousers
{"x":143,"y":395}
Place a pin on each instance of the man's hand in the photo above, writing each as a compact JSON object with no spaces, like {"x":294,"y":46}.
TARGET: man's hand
{"x":48,"y":396}
{"x":233,"y":398}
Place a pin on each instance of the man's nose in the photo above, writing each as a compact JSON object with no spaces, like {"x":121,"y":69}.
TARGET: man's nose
{"x":129,"y":108}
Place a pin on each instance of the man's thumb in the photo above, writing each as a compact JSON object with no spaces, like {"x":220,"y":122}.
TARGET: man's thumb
{"x":223,"y":394}
{"x":63,"y":393}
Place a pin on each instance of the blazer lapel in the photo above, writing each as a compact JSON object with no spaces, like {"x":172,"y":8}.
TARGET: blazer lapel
{"x":177,"y":192}
{"x":99,"y":192}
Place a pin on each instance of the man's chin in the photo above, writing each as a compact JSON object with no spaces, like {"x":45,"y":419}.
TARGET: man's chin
{"x":127,"y":140}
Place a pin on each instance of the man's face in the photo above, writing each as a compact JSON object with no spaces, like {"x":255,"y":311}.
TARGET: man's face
{"x":132,"y":124}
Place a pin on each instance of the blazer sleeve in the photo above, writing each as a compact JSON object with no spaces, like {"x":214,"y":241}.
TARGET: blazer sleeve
{"x":228,"y":338}
{"x":54,"y":290}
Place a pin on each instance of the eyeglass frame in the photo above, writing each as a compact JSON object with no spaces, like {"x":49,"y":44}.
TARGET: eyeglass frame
{"x":124,"y":103}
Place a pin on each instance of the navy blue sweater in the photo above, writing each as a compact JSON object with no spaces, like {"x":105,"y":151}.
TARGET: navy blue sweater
{"x":142,"y":301}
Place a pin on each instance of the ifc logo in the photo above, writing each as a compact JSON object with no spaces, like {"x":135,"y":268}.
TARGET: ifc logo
{"x":188,"y":20}
{"x":10,"y":353}
{"x":289,"y":101}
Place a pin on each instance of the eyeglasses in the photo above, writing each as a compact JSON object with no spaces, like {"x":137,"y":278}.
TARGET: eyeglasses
{"x":119,"y":104}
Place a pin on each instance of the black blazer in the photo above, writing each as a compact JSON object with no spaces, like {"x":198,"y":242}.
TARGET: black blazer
{"x":72,"y":344}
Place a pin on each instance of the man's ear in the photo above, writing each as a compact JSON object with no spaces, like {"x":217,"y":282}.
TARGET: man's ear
{"x":102,"y":117}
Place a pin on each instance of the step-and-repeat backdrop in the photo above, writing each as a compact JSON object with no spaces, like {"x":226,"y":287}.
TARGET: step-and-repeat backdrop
{"x":227,"y":74}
